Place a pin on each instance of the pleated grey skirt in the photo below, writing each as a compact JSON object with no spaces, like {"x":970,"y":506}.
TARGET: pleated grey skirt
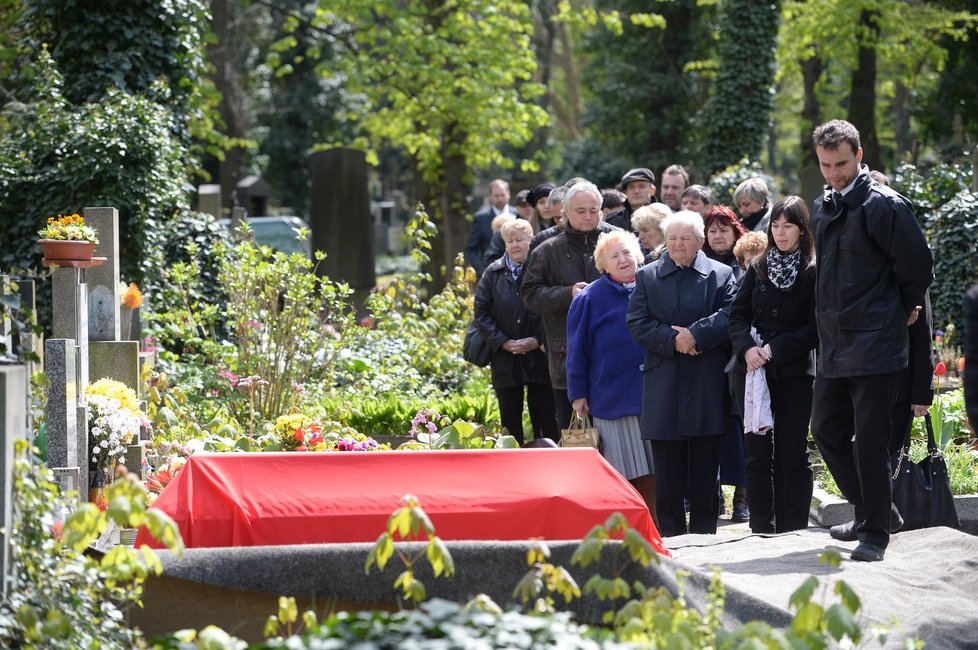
{"x":623,"y":447}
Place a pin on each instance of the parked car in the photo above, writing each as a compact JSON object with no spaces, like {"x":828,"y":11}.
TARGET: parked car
{"x":279,"y":233}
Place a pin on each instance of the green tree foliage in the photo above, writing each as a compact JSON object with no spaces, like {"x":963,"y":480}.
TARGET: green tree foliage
{"x":641,"y":90}
{"x":306,"y":107}
{"x":58,"y":157}
{"x":948,"y":212}
{"x":907,"y":39}
{"x":128,"y":45}
{"x":735,"y":117}
{"x":448,"y":82}
{"x":955,"y":99}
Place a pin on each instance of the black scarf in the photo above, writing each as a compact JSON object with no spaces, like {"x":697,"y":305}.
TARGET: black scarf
{"x":782,"y":268}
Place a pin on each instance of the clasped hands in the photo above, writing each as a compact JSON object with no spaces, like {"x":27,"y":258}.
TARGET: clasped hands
{"x":755,"y":358}
{"x":685,"y":342}
{"x":521,"y":346}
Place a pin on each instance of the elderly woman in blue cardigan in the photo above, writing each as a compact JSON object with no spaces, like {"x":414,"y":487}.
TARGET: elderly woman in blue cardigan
{"x":604,"y":362}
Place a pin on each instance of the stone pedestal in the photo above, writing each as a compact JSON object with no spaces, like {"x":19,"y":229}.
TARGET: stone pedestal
{"x":59,"y":355}
{"x":13,"y":425}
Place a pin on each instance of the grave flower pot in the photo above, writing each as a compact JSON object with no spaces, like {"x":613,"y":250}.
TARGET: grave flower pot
{"x":67,"y":249}
{"x":98,"y":485}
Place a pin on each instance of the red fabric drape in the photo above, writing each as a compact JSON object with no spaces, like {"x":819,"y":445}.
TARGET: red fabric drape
{"x":254,"y":499}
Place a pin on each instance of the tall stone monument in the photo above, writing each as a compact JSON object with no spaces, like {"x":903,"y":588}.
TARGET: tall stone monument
{"x":340,"y":219}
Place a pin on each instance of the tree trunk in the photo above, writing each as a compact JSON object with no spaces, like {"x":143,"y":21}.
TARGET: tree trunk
{"x":811,"y":113}
{"x":445,"y":200}
{"x":903,"y":142}
{"x":225,"y":76}
{"x":862,"y":95}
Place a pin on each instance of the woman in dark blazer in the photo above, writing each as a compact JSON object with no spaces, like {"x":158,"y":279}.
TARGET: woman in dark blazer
{"x":776,"y":302}
{"x":678,"y":314}
{"x":516,"y":335}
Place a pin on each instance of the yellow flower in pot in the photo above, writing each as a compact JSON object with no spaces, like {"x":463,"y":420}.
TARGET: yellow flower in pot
{"x":68,"y":237}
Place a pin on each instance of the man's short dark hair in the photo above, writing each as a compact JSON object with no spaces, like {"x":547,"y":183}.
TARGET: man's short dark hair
{"x":612,"y":198}
{"x":677,"y":170}
{"x":832,"y":134}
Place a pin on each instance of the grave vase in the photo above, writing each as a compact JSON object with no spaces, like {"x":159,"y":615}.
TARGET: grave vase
{"x":98,"y":485}
{"x":67,"y":250}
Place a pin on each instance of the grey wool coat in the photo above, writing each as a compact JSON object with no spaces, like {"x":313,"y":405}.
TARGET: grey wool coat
{"x":684,"y":396}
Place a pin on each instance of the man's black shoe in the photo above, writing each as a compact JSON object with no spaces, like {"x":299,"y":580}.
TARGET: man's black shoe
{"x":867,"y":552}
{"x":847,"y":532}
{"x":844,"y":532}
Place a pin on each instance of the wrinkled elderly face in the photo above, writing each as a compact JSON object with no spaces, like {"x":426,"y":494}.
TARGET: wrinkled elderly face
{"x":683,"y":244}
{"x":619,"y":262}
{"x":517,"y":245}
{"x":839,"y":166}
{"x":721,"y":237}
{"x":639,"y":193}
{"x":650,"y":236}
{"x":584,"y":211}
{"x":695,"y":204}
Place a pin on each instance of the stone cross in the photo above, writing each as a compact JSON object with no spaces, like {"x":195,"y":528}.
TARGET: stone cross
{"x":13,"y":425}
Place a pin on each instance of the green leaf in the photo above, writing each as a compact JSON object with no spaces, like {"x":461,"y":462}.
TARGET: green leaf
{"x":842,"y":623}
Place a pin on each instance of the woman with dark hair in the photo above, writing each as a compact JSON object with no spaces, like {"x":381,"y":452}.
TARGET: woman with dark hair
{"x":723,"y":229}
{"x":772,"y":328}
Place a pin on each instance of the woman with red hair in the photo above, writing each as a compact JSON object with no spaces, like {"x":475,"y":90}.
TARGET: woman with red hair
{"x":723,"y":229}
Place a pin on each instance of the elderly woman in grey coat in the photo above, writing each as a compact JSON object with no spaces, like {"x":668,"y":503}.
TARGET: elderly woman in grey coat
{"x":678,"y":312}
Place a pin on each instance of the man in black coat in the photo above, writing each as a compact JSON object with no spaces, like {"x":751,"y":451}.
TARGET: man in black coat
{"x":874,"y":268}
{"x":481,"y":234}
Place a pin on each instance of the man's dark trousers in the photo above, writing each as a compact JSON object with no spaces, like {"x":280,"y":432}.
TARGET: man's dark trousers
{"x":851,"y":425}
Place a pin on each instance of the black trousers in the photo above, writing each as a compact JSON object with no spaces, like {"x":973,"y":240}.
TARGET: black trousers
{"x":539,"y":401}
{"x":851,"y":424}
{"x":563,"y":406}
{"x":687,"y":469}
{"x":779,"y":471}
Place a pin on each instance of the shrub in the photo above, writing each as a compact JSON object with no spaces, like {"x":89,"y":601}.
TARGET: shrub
{"x":63,"y":598}
{"x":723,"y":184}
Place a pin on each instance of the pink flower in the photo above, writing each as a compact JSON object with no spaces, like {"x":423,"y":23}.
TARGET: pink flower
{"x":940,"y":369}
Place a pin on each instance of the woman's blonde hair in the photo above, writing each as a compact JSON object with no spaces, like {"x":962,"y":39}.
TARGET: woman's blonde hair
{"x":517,"y":224}
{"x":629,"y":240}
{"x":650,"y":216}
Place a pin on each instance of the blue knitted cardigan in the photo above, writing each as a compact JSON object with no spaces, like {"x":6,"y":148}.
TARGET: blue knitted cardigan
{"x":604,"y":361}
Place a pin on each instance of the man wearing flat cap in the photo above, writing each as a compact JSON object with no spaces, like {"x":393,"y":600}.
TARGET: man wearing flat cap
{"x":638,"y":184}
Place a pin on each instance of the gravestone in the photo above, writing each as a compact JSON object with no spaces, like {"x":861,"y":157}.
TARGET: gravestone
{"x":117,"y":360}
{"x":62,"y":394}
{"x":209,"y":200}
{"x":13,"y":425}
{"x":340,"y":219}
{"x":103,"y":281}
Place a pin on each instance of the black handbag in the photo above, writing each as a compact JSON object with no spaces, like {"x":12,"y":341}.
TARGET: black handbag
{"x":475,"y":349}
{"x":922,"y":491}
